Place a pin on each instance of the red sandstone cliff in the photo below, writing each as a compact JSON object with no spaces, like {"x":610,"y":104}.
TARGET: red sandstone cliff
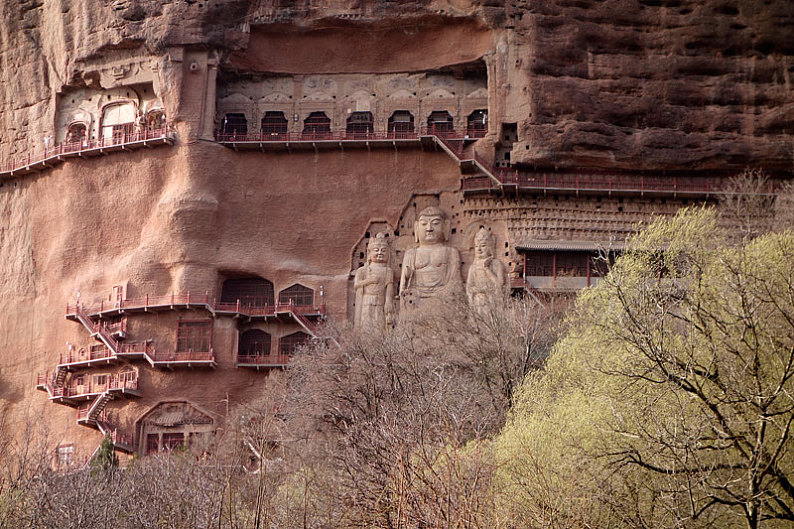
{"x":617,"y":84}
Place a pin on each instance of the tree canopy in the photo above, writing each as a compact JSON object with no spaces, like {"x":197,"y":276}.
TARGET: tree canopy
{"x":669,"y":402}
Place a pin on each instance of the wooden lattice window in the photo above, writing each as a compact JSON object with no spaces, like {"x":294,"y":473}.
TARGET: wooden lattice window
{"x":152,"y":443}
{"x":194,"y":336}
{"x":250,"y":292}
{"x":99,"y":382}
{"x":288,"y":344}
{"x":173,"y":440}
{"x":563,"y":263}
{"x":65,"y":455}
{"x":274,"y":123}
{"x":254,"y":342}
{"x":128,"y":377}
{"x":297,"y":295}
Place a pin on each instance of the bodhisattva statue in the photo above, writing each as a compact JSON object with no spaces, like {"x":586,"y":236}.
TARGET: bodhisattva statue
{"x":432,"y":269}
{"x":374,"y":286}
{"x":488,"y":279}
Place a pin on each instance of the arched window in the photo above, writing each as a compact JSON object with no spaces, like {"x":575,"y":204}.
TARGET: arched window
{"x":477,"y":123}
{"x":253,"y":342}
{"x":440,"y":121}
{"x":235,"y":124}
{"x":274,"y":123}
{"x":287,"y":344}
{"x":401,"y":123}
{"x":359,"y":124}
{"x":297,"y":295}
{"x":317,"y":124}
{"x":77,"y":133}
{"x":249,"y":291}
{"x":118,"y":122}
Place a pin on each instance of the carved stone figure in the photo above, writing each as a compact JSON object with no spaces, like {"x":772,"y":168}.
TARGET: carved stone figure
{"x":431,"y":270}
{"x":487,"y":279}
{"x":374,"y":286}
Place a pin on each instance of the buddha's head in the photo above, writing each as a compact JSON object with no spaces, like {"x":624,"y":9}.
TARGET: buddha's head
{"x":432,"y":226}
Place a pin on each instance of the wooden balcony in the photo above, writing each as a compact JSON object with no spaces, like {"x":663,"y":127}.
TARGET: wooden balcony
{"x":74,"y":394}
{"x":49,"y":157}
{"x":265,"y":361}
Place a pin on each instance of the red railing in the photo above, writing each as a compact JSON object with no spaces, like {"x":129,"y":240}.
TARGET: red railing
{"x":49,"y":381}
{"x":583,"y":182}
{"x":106,"y":424}
{"x":143,"y":348}
{"x":258,"y":137}
{"x":174,"y":299}
{"x":55,"y":152}
{"x":183,"y":356}
{"x":113,"y":383}
{"x":117,"y":436}
{"x":84,"y":356}
{"x":274,"y":360}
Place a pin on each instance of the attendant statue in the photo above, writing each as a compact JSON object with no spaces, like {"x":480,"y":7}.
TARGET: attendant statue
{"x":430,"y":271}
{"x":374,"y":286}
{"x":487,"y":279}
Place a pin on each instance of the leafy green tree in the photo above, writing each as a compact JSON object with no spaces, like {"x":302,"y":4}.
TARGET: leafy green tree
{"x":670,"y":400}
{"x":105,"y":458}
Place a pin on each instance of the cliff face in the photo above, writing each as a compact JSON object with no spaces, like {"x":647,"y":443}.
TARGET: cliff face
{"x":657,"y":83}
{"x":651,"y":84}
{"x":567,"y":84}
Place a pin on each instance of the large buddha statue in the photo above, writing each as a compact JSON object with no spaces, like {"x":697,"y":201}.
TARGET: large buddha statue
{"x":374,"y":286}
{"x":487,"y":279}
{"x":432,"y":269}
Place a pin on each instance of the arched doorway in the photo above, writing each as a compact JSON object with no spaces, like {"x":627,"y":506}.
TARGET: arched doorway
{"x":401,"y":124}
{"x":155,"y":120}
{"x":317,"y":125}
{"x":289,"y":343}
{"x":477,"y":123}
{"x":253,"y":344}
{"x":440,"y":122}
{"x":234,"y":124}
{"x":274,"y":124}
{"x":359,"y":124}
{"x":118,"y":122}
{"x":76,"y":133}
{"x":248,"y":291}
{"x":297,"y":295}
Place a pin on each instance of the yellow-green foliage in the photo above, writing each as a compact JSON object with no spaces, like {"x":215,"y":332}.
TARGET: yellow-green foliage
{"x":649,"y":409}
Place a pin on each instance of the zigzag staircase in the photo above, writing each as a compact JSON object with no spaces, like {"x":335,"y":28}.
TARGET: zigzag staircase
{"x":95,"y":417}
{"x":97,"y":330}
{"x":470,"y":163}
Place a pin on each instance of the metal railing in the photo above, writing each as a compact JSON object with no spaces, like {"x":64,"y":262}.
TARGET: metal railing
{"x":113,"y":383}
{"x":610,"y":183}
{"x":82,"y":311}
{"x":274,"y":360}
{"x":258,"y":137}
{"x":57,"y":152}
{"x":106,"y":424}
